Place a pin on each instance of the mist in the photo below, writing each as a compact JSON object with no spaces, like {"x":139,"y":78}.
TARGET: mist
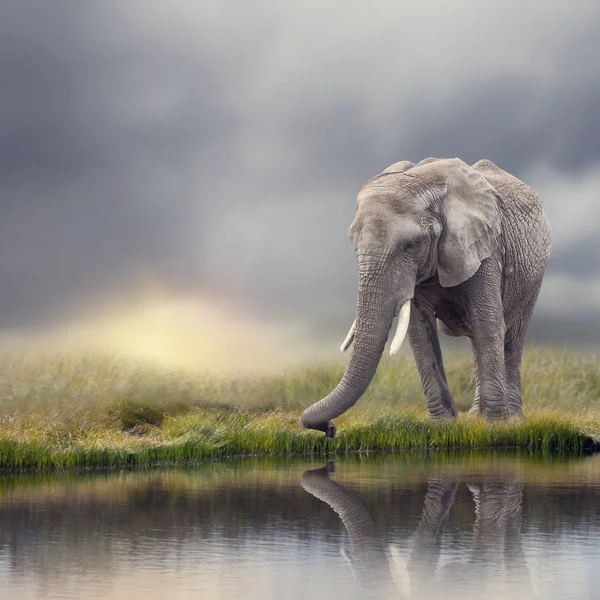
{"x":215,"y":150}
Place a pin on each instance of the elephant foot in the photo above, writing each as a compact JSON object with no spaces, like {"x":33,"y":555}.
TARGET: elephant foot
{"x":447,"y":415}
{"x":515,"y":410}
{"x":496,"y":415}
{"x":497,"y":411}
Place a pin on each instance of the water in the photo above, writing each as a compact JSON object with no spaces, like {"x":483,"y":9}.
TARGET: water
{"x":402,"y":526}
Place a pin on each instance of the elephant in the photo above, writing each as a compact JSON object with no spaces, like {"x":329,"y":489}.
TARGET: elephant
{"x":496,"y":555}
{"x":443,"y":246}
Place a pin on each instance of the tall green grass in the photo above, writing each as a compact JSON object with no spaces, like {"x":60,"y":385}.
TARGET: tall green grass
{"x":97,"y":411}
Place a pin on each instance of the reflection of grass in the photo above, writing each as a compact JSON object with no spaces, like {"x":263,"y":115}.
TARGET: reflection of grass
{"x":379,"y":472}
{"x":94,"y":411}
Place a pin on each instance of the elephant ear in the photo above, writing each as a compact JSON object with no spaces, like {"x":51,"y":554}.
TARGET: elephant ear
{"x":471,"y":223}
{"x":399,"y":167}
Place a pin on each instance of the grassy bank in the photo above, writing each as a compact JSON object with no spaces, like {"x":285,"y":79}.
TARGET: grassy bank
{"x":94,"y":411}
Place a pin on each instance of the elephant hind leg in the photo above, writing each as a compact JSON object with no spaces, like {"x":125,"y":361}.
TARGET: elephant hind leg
{"x":514,"y":342}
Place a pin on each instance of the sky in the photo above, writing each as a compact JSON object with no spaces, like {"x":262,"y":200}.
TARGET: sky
{"x":216,"y":147}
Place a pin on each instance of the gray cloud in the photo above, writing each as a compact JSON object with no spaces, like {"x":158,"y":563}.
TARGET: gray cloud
{"x":220,"y":145}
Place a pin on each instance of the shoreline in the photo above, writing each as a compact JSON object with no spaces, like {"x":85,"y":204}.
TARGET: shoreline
{"x":215,"y":435}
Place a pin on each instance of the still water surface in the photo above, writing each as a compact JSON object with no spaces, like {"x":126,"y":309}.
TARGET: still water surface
{"x":401,"y":526}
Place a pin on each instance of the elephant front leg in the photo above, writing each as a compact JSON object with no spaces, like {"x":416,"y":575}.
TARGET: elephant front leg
{"x":425,"y":345}
{"x":488,"y":352}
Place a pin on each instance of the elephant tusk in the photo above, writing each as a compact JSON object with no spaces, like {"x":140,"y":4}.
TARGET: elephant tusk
{"x":349,"y":338}
{"x":403,"y":320}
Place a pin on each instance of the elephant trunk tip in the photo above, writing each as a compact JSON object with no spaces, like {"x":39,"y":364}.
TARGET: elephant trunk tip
{"x":309,"y":422}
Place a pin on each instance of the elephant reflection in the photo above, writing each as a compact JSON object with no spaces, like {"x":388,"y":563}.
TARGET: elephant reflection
{"x":366,"y":557}
{"x":496,"y":555}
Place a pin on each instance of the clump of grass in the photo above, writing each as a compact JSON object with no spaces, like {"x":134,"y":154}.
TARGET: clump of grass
{"x":97,"y":411}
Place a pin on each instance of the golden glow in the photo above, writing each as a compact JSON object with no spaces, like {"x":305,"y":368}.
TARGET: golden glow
{"x":177,"y":331}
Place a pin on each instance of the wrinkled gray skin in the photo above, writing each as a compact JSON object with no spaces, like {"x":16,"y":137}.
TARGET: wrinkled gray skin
{"x":469,"y":246}
{"x":496,"y":554}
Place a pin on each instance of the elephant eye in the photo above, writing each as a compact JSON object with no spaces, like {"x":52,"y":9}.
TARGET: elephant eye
{"x":411,"y":246}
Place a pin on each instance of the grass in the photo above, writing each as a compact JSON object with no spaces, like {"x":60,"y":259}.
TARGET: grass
{"x":97,"y":411}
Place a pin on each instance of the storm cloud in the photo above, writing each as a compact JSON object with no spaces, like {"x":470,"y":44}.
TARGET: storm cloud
{"x":220,"y":145}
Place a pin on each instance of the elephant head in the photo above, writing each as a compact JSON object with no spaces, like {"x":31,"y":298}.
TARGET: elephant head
{"x":438,"y":218}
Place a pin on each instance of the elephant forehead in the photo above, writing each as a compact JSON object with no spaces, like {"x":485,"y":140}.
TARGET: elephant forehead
{"x":401,"y":193}
{"x":393,"y":206}
{"x":374,"y":225}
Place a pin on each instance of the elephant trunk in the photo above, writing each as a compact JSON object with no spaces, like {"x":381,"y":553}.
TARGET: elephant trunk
{"x":376,"y":307}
